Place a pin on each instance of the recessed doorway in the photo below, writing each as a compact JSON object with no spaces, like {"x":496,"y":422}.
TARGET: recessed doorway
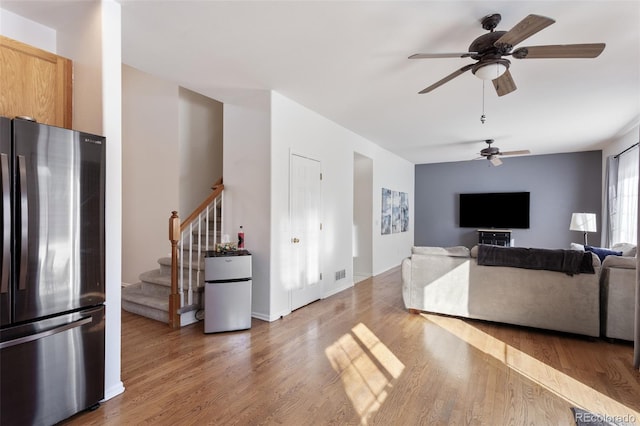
{"x":362,"y":217}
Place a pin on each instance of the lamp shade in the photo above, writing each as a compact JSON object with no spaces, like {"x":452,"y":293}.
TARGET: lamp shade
{"x":585,"y":222}
{"x":490,"y":71}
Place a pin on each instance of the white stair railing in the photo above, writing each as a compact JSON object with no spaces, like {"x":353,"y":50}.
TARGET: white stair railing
{"x":188,"y":249}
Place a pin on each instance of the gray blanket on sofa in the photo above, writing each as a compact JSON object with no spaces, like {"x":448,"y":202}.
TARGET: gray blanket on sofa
{"x":568,"y":261}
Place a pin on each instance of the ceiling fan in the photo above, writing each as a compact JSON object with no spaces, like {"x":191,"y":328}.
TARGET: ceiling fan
{"x":490,"y":49}
{"x":493,"y":154}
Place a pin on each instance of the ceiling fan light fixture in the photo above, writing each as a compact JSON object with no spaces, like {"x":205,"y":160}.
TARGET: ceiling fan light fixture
{"x":490,"y":71}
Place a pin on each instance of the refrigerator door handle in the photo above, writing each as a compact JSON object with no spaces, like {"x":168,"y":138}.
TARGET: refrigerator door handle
{"x":6,"y":222}
{"x":24,"y":221}
{"x":47,"y":333}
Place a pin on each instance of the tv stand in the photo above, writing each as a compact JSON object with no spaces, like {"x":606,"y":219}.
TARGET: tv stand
{"x":496,"y":237}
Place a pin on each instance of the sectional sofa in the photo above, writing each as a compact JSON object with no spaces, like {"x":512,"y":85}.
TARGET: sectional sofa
{"x":618,"y":287}
{"x":451,"y":281}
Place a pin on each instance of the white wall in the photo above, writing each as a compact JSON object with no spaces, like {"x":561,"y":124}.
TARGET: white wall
{"x":150,"y":169}
{"x":397,"y":174}
{"x":172,"y":154}
{"x":88,"y":33}
{"x":619,"y":143}
{"x":300,"y":130}
{"x":247,"y":185}
{"x":27,"y":31}
{"x":82,"y":42}
{"x":200,"y":122}
{"x":112,"y":129}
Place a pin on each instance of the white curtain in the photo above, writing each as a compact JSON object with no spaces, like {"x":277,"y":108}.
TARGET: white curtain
{"x":622,"y":199}
{"x":621,"y":225}
{"x":636,"y":340}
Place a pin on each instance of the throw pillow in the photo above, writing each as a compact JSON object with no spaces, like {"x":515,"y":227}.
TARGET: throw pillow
{"x":626,"y":249}
{"x":602,"y":252}
{"x":576,"y":246}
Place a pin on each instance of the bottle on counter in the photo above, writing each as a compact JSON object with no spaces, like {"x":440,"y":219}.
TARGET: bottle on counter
{"x":241,"y":238}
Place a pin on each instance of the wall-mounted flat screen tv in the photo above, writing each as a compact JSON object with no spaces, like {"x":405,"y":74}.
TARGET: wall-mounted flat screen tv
{"x":494,"y":210}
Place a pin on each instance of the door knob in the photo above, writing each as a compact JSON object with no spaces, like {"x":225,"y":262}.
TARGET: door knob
{"x":295,"y":240}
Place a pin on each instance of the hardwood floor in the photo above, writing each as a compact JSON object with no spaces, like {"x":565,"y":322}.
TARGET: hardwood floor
{"x":359,"y":357}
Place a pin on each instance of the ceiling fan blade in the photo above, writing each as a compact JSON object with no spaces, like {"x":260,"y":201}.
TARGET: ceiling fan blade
{"x":504,"y":84}
{"x":588,"y":50}
{"x":496,"y":161}
{"x":442,"y":55}
{"x":524,"y":29}
{"x":521,"y":152}
{"x":447,"y":78}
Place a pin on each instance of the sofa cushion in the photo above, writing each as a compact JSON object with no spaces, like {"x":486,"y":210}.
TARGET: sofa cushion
{"x":456,"y":251}
{"x":602,"y":252}
{"x":624,"y":262}
{"x":626,"y":249}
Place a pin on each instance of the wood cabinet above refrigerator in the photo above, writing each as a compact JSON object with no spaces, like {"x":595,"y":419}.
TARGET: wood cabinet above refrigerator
{"x":35,"y":83}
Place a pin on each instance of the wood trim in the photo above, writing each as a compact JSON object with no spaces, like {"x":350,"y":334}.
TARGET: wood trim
{"x":174,"y":297}
{"x":64,"y":108}
{"x":216,"y":183}
{"x":193,"y":216}
{"x":29,"y":50}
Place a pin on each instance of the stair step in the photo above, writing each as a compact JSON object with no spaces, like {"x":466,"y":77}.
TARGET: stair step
{"x":193,"y":245}
{"x":159,"y":278}
{"x":134,"y":300}
{"x":151,"y":287}
{"x":165,"y":264}
{"x":203,"y":229}
{"x":137,"y":299}
{"x":195,"y":264}
{"x":156,"y":277}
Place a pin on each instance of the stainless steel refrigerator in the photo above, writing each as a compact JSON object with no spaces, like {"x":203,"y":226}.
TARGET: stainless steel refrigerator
{"x":52,"y":272}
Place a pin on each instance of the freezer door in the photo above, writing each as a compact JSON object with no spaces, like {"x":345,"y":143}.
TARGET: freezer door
{"x":5,"y":211}
{"x":224,"y":268}
{"x":227,"y":306}
{"x":52,"y":369}
{"x":59,"y":216}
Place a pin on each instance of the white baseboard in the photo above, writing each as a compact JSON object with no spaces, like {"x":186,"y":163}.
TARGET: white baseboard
{"x":187,"y":318}
{"x":260,"y":316}
{"x":346,"y":286}
{"x":112,"y":391}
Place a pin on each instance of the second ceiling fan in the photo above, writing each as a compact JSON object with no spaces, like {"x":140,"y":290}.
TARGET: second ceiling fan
{"x":490,"y":49}
{"x":493,"y":154}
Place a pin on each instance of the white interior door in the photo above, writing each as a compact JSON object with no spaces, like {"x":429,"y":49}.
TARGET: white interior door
{"x":305,"y":183}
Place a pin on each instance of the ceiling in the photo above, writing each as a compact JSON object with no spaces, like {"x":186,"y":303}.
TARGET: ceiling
{"x":347,"y":60}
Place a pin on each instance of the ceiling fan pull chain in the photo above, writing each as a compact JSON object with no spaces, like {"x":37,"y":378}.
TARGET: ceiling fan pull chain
{"x":483,"y":117}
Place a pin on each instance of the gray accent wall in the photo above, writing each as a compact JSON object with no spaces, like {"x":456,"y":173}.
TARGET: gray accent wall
{"x":560,"y":184}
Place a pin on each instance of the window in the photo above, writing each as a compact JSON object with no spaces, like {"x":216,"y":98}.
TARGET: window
{"x":623,"y":197}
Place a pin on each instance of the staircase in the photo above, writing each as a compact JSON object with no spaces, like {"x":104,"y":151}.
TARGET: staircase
{"x":150,"y":297}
